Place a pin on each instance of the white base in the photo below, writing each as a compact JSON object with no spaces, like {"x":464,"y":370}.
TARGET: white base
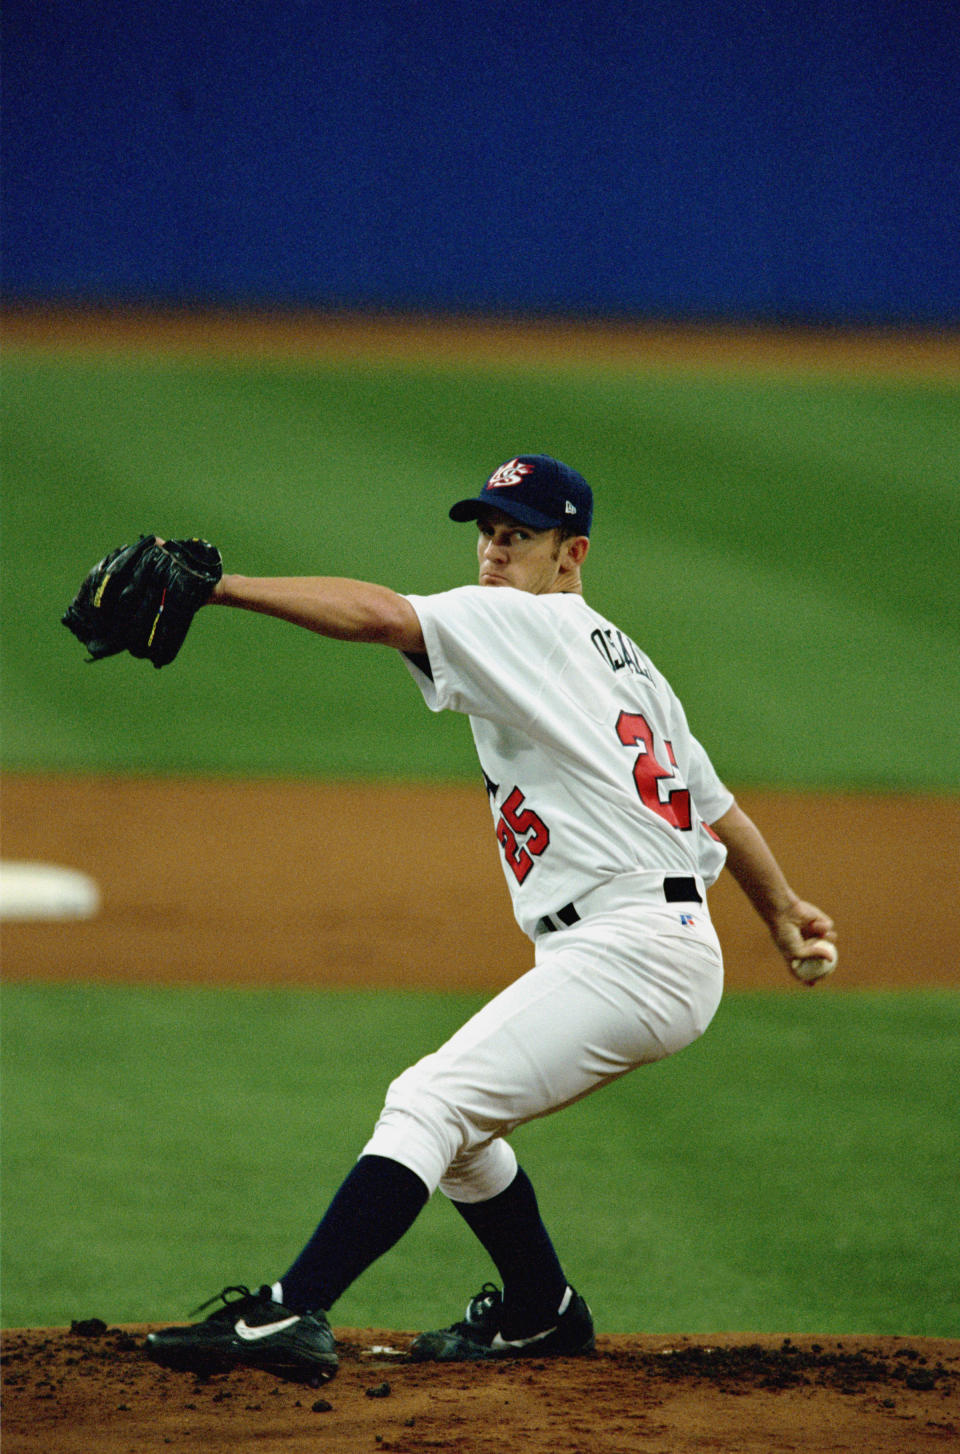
{"x":46,"y":891}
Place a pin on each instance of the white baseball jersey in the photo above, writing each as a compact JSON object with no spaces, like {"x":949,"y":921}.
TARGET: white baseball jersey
{"x":590,"y":765}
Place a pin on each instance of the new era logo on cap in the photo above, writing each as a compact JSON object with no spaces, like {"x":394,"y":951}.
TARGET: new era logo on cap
{"x":537,"y":490}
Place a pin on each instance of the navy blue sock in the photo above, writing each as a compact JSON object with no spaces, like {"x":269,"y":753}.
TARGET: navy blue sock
{"x":376,"y":1204}
{"x":512,"y":1231}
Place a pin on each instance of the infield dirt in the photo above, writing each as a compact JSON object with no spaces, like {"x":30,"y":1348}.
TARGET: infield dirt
{"x":299,"y":884}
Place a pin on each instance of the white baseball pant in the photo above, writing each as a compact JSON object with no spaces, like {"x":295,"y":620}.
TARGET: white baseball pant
{"x":635,"y":980}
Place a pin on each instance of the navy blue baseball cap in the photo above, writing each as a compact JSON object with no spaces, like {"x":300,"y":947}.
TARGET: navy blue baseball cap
{"x":537,"y":490}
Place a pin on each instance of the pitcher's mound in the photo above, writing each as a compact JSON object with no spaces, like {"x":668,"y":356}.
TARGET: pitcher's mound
{"x":92,"y":1388}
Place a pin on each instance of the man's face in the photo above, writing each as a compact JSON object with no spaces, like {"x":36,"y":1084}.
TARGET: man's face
{"x":513,"y":554}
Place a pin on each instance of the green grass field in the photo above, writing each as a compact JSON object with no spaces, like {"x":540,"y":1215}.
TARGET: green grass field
{"x":785,"y":549}
{"x":793,"y":1171}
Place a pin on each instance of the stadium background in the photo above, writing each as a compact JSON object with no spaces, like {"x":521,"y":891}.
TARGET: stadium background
{"x":778,"y":526}
{"x":788,"y":162}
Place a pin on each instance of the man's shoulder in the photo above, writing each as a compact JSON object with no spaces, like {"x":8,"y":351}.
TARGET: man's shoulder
{"x":501,"y":599}
{"x":503,"y":613}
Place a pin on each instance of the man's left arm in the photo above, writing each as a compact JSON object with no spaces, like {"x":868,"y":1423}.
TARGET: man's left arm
{"x":335,"y":606}
{"x":793,"y":923}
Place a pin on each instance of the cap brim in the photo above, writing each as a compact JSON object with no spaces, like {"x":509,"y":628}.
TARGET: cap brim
{"x":472,"y":509}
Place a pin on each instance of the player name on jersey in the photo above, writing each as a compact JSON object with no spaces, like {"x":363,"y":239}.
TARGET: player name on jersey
{"x":618,"y":651}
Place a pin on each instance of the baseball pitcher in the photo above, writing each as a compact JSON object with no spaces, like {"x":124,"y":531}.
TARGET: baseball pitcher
{"x":610,"y":823}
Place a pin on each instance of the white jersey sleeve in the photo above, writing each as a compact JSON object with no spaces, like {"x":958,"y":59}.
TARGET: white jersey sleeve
{"x":590,"y":765}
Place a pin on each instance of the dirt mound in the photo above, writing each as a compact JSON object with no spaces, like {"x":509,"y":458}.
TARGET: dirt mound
{"x":91,"y":1388}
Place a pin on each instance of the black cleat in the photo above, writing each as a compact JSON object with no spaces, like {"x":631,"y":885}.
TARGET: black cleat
{"x":254,"y":1331}
{"x":478,"y":1335}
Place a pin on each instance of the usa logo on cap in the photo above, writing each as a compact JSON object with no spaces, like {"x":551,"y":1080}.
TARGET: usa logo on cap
{"x":510,"y":473}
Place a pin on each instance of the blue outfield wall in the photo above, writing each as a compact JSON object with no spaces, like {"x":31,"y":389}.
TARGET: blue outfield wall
{"x":793,"y":160}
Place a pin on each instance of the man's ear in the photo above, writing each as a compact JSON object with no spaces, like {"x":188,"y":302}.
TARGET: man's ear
{"x":576,"y":549}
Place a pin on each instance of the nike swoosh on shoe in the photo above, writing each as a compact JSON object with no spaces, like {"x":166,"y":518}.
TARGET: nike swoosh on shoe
{"x":508,"y":1343}
{"x":253,"y":1335}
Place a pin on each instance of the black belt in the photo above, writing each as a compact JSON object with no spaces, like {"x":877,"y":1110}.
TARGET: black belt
{"x":675,"y":890}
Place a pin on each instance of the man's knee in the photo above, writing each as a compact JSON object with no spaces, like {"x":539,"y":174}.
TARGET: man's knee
{"x":478,"y":1175}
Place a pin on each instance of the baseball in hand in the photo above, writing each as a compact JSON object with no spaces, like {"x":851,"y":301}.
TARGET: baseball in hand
{"x":812,"y":969}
